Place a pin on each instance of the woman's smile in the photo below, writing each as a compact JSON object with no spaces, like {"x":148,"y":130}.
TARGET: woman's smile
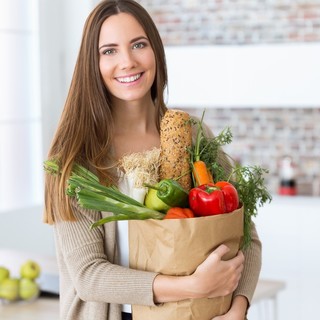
{"x":129,"y":78}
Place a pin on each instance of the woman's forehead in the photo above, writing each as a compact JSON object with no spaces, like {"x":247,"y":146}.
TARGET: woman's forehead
{"x":120,"y":27}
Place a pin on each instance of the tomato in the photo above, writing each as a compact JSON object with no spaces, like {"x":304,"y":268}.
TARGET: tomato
{"x":179,"y":213}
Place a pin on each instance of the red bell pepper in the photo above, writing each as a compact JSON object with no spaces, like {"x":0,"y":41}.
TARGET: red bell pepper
{"x":213,"y":198}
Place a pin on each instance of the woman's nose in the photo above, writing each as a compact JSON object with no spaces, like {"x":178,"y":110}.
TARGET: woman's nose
{"x":127,"y":60}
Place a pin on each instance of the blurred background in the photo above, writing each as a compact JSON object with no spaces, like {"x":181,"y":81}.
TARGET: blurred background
{"x":253,"y":65}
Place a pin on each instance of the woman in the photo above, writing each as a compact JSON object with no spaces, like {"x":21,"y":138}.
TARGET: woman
{"x":114,"y":107}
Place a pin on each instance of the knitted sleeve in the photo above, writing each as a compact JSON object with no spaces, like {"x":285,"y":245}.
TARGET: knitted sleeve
{"x":93,"y":277}
{"x":252,"y":267}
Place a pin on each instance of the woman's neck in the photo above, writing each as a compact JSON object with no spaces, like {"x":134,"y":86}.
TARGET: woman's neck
{"x":135,"y":128}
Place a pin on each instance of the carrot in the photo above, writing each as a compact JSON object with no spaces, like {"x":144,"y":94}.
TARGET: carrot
{"x":201,"y":173}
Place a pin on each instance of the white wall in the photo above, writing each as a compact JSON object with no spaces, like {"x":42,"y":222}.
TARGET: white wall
{"x":20,"y":114}
{"x":60,"y":27}
{"x":60,"y":34}
{"x":273,"y":75}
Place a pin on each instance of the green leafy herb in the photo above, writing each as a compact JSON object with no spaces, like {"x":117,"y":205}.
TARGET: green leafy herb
{"x":249,"y":182}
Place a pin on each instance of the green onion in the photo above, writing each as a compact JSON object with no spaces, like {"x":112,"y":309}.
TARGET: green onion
{"x":120,"y":217}
{"x":111,"y":192}
{"x":90,"y":194}
{"x":95,"y":201}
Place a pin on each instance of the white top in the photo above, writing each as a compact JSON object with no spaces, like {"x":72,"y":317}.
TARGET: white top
{"x":123,"y":245}
{"x":137,"y":169}
{"x":126,"y":186}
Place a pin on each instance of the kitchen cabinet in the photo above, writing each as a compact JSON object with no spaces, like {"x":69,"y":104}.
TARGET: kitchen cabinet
{"x":290,"y":234}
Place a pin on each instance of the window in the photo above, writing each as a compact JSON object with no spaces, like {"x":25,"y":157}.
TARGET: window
{"x":20,"y":113}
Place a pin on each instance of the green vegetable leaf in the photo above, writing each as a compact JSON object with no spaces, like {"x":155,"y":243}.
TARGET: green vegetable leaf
{"x":249,"y":182}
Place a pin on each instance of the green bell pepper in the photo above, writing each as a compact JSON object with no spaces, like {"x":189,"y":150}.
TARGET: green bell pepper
{"x":171,"y":192}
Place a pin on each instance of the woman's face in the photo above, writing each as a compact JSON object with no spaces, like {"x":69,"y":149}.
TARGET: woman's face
{"x":127,"y":61}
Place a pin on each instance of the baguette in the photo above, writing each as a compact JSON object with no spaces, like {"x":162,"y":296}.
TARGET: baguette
{"x":175,"y":143}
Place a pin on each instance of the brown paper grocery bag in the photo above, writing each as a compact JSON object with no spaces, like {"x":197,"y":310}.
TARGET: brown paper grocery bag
{"x":177,"y":247}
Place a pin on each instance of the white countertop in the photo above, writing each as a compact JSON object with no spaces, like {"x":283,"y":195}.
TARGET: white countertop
{"x":291,"y":203}
{"x":40,"y":309}
{"x":295,"y":199}
{"x":48,"y":308}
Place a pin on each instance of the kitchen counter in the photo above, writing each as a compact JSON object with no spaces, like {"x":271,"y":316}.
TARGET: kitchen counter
{"x":301,"y":201}
{"x":48,"y":308}
{"x":40,"y":309}
{"x":289,"y":230}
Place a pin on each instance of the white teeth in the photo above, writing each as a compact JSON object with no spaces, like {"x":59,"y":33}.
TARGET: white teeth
{"x":129,"y":79}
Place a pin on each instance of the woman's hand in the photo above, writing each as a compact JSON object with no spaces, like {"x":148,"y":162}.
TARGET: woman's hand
{"x":237,"y":311}
{"x":213,"y":278}
{"x":216,"y":277}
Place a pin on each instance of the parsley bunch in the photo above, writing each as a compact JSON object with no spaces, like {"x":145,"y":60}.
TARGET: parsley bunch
{"x":252,"y":191}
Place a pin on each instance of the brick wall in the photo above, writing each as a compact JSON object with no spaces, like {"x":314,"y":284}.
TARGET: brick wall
{"x":235,"y":21}
{"x":264,"y":136}
{"x":261,"y":136}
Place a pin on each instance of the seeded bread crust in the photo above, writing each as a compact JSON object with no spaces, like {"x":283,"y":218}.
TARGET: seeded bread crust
{"x":175,"y":140}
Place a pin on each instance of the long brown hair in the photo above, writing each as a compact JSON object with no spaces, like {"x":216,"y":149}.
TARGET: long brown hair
{"x":86,"y":124}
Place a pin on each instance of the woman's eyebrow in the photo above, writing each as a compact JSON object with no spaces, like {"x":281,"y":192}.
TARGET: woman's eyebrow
{"x":139,"y":38}
{"x":131,"y":41}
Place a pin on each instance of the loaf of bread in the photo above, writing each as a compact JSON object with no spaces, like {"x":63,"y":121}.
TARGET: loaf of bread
{"x":175,"y":143}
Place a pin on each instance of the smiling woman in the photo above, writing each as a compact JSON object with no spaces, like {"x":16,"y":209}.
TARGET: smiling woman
{"x":114,"y":108}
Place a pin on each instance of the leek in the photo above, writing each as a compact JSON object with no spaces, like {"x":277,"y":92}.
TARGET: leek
{"x":91,"y":194}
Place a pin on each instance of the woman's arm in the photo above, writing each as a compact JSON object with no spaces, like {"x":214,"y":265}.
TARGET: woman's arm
{"x":212,"y":278}
{"x":238,"y":310}
{"x":85,"y":266}
{"x":252,"y":267}
{"x":247,"y":284}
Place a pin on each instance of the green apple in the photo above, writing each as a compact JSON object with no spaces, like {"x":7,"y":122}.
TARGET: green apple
{"x":28,"y":289}
{"x":153,"y":202}
{"x":30,"y":270}
{"x":4,"y":273}
{"x":9,"y":289}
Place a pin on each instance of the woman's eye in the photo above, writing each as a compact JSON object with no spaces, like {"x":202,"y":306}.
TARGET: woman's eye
{"x":109,"y":51}
{"x":139,"y":45}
